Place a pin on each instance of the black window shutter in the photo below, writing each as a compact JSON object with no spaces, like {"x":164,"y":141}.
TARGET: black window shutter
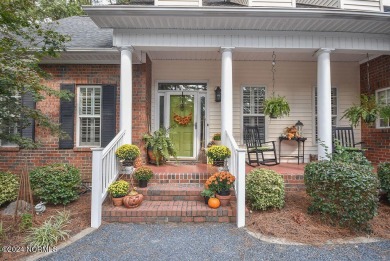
{"x":67,"y":118}
{"x":29,"y":131}
{"x":108,"y":120}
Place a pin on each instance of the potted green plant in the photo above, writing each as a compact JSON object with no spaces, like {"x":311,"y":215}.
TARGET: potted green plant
{"x":276,"y":107}
{"x":207,"y":194}
{"x":217,"y":138}
{"x":118,"y":190}
{"x":217,"y":154}
{"x":368,"y":110}
{"x":159,"y":146}
{"x":143,"y":175}
{"x":127,"y":153}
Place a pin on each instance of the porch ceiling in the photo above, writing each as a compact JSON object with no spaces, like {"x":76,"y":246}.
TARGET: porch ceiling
{"x":240,"y":18}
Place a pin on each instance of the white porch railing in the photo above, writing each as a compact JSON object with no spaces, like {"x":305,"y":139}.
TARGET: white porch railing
{"x":237,"y":168}
{"x":105,"y":169}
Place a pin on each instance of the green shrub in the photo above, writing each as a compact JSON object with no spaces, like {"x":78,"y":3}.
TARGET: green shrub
{"x":264,"y":189}
{"x":355,"y":157}
{"x":384,"y":177}
{"x":343,"y":193}
{"x":56,"y":183}
{"x":50,"y":232}
{"x":9,"y":186}
{"x":26,"y":222}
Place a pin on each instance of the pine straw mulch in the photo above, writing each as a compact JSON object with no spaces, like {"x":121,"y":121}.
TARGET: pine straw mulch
{"x":295,"y":224}
{"x":80,"y":211}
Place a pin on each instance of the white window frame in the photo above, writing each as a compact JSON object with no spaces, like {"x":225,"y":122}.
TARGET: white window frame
{"x":388,"y":103}
{"x":315,"y":134}
{"x":78,"y":138}
{"x":251,"y":114}
{"x":10,"y":144}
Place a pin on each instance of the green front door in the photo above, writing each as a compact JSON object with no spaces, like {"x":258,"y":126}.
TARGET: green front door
{"x":182,"y":116}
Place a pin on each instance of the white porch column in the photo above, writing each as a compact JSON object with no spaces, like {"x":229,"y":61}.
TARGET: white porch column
{"x":126,"y":93}
{"x":324,"y":103}
{"x":226,"y":92}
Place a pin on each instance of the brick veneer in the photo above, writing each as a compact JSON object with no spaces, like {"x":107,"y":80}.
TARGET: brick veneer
{"x":377,"y":140}
{"x":14,"y":160}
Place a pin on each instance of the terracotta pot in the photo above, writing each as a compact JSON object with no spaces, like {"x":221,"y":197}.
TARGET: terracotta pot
{"x":225,"y":200}
{"x":117,"y":201}
{"x":152,"y":158}
{"x":133,"y":201}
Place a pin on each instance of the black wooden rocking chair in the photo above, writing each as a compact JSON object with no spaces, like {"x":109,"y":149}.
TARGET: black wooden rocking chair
{"x":256,"y":148}
{"x":344,"y":137}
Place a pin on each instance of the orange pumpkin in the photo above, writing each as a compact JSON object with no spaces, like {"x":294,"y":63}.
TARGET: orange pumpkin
{"x":214,"y":203}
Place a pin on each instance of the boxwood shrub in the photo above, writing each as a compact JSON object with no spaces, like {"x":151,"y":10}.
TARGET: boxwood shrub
{"x":56,"y":183}
{"x":384,"y":177}
{"x":264,"y":189}
{"x":9,"y":186}
{"x":343,"y":193}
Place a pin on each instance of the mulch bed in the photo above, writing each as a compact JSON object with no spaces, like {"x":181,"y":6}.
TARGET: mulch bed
{"x":80,"y":211}
{"x":295,"y":224}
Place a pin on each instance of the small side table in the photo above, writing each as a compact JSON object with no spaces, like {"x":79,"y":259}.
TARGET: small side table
{"x":298,"y":140}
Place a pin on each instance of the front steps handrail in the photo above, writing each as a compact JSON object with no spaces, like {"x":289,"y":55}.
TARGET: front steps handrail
{"x":105,"y":170}
{"x":236,"y":164}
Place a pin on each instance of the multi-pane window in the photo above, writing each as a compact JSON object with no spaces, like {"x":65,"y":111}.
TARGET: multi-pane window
{"x":89,"y":115}
{"x":383,"y":97}
{"x":253,"y":108}
{"x":334,"y":110}
{"x":11,"y":129}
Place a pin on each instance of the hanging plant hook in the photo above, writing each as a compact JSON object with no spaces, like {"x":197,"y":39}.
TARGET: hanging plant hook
{"x":273,"y":70}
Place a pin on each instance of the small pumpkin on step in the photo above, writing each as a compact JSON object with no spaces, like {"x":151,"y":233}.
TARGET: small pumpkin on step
{"x":214,"y":203}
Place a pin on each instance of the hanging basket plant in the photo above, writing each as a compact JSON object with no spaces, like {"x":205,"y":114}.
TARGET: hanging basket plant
{"x":368,"y":111}
{"x":276,"y":107}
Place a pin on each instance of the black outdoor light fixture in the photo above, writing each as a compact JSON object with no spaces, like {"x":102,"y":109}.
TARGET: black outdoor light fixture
{"x":299,"y":125}
{"x":217,"y":94}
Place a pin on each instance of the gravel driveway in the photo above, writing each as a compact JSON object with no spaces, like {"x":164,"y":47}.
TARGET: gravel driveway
{"x":206,"y":241}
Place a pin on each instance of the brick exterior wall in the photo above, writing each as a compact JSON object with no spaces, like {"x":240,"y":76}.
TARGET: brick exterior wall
{"x":376,"y":140}
{"x":15,"y":160}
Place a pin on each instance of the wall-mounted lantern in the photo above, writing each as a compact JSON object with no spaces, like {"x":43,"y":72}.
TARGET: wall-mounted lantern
{"x":217,"y":94}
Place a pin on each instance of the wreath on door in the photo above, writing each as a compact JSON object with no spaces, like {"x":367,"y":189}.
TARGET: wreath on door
{"x":182,"y":120}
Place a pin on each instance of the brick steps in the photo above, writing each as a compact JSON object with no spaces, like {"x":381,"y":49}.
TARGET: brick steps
{"x":174,"y":192}
{"x":175,"y":178}
{"x":170,"y":211}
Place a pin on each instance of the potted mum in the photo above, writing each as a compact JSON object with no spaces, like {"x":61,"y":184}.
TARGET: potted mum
{"x":217,"y":154}
{"x":217,"y":138}
{"x":118,"y":190}
{"x":127,"y":153}
{"x":159,"y":146}
{"x":220,"y":183}
{"x":276,"y":107}
{"x":143,"y":175}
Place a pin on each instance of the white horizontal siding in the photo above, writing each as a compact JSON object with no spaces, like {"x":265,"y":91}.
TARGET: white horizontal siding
{"x":325,"y":3}
{"x":295,"y":80}
{"x":250,"y":39}
{"x":178,"y":2}
{"x":265,"y":3}
{"x":363,"y":5}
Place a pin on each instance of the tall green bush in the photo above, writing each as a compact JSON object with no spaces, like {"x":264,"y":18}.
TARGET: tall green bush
{"x":342,"y":192}
{"x":9,"y":186}
{"x":384,"y":177}
{"x":264,"y":189}
{"x":56,"y":183}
